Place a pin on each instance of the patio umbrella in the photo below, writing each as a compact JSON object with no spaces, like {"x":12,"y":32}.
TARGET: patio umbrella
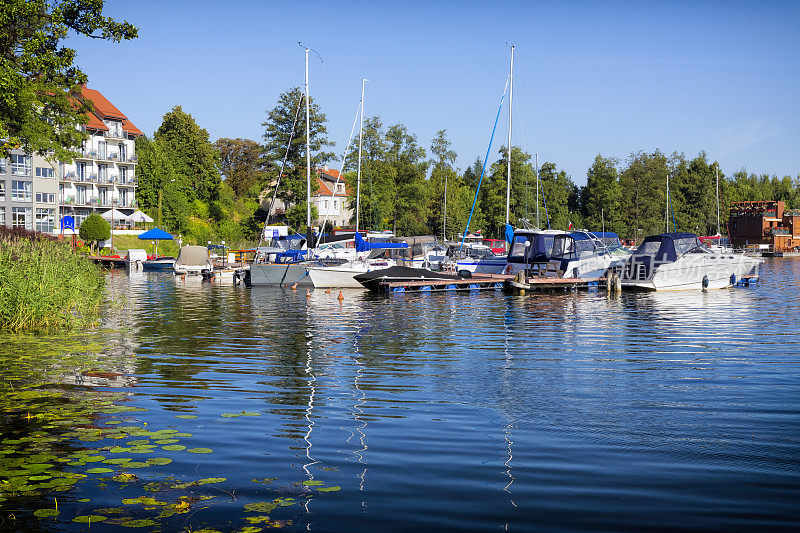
{"x":115,"y":214}
{"x":139,"y":216}
{"x":156,"y":234}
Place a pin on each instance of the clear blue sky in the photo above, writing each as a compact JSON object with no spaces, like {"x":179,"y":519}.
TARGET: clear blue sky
{"x":591,"y":77}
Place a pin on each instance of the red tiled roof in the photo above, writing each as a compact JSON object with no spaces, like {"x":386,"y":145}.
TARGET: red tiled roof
{"x":130,"y":128}
{"x":103,"y":107}
{"x":95,"y":123}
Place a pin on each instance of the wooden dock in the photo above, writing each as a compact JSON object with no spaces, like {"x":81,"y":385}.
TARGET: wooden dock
{"x":549,"y":283}
{"x":476,"y":282}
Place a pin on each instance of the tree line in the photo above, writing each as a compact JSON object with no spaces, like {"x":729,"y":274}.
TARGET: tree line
{"x":222,"y":189}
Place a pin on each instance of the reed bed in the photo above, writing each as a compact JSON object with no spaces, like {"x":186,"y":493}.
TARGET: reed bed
{"x":45,"y":285}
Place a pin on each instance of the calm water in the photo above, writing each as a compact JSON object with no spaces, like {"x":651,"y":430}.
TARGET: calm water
{"x":449,"y":412}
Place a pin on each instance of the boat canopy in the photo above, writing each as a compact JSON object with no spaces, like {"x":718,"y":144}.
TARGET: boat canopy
{"x":529,"y":246}
{"x":364,"y":246}
{"x":668,"y":247}
{"x":608,"y":238}
{"x":575,"y":245}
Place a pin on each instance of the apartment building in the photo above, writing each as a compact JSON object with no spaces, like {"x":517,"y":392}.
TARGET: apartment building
{"x":36,"y":193}
{"x":331,"y":198}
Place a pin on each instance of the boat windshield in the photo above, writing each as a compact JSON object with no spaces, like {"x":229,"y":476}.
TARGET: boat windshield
{"x":539,"y":248}
{"x":568,"y":247}
{"x":648,"y":247}
{"x":685,"y":245}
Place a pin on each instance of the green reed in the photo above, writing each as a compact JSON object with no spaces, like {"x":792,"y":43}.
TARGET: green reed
{"x":45,"y":286}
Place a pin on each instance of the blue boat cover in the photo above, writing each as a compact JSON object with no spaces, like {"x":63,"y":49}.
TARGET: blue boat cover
{"x":156,"y":234}
{"x":509,"y":233}
{"x":364,"y":246}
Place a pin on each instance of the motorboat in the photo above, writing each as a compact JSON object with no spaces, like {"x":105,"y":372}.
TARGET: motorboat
{"x":423,"y":251}
{"x":531,"y":250}
{"x":377,"y":279}
{"x":193,"y":260}
{"x":342,"y":275}
{"x":679,"y":261}
{"x":477,"y":257}
{"x":584,"y":254}
{"x":164,"y":262}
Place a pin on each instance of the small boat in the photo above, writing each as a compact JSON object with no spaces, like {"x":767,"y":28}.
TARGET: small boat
{"x":478,"y":257}
{"x":377,"y":279}
{"x":679,"y":261}
{"x":583,"y":254}
{"x":193,"y":260}
{"x":342,"y":275}
{"x":423,"y":251}
{"x":159,"y":263}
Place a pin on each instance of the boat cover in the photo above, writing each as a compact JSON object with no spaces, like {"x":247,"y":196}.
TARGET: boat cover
{"x":193,"y":256}
{"x":404,"y":273}
{"x":364,"y":246}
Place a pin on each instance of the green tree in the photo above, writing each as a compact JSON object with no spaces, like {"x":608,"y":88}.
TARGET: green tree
{"x":193,"y":157}
{"x":285,"y":127}
{"x":157,"y":177}
{"x":602,"y":195}
{"x":37,"y":74}
{"x":94,"y":229}
{"x":442,"y":176}
{"x":241,"y":163}
{"x":559,"y":196}
{"x":643,"y":202}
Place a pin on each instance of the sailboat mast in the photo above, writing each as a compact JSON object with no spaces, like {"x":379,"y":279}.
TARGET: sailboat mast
{"x":719,"y":231}
{"x":360,"y":138}
{"x":510,"y":108}
{"x":444,"y":215}
{"x":666,"y":214}
{"x":537,"y":191}
{"x":308,"y":153}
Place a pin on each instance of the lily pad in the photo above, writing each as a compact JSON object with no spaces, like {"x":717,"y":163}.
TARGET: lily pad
{"x":249,"y":413}
{"x":99,"y":471}
{"x":89,"y":518}
{"x":118,"y":461}
{"x":330,"y":489}
{"x":260,"y":507}
{"x":138,"y":523}
{"x":44,"y":513}
{"x":199,"y":450}
{"x":136,"y":464}
{"x":137,"y":442}
{"x":158,"y":461}
{"x":125,"y":477}
{"x":312,"y":482}
{"x":167,"y":441}
{"x":229,"y":415}
{"x":186,"y":417}
{"x":174,"y":448}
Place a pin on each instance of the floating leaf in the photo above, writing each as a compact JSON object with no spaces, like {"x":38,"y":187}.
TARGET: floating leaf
{"x":187,"y":417}
{"x":158,"y":461}
{"x":312,"y":482}
{"x":118,"y":461}
{"x":119,"y":449}
{"x":174,"y":448}
{"x":138,"y":523}
{"x":199,"y":450}
{"x":93,"y":459}
{"x":136,"y":464}
{"x":167,"y":441}
{"x":260,"y":507}
{"x":210,"y":480}
{"x":112,"y":422}
{"x":262,"y":519}
{"x":249,"y":413}
{"x":99,"y":471}
{"x":44,"y":513}
{"x":265,"y":481}
{"x":84,"y":500}
{"x":329,"y":489}
{"x":39,"y":478}
{"x":229,"y":415}
{"x":89,"y":518}
{"x":125,"y":477}
{"x":137,"y":442}
{"x":182,"y":435}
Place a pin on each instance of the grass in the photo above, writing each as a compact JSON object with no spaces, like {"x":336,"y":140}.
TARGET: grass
{"x":46,"y":286}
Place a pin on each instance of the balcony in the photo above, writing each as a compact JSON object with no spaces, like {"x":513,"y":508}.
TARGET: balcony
{"x":118,"y":134}
{"x":87,"y":154}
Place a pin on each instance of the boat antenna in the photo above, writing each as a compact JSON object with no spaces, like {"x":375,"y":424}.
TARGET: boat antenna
{"x":360,"y":139}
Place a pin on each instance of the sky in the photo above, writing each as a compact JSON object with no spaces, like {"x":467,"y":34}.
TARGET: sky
{"x":609,"y":78}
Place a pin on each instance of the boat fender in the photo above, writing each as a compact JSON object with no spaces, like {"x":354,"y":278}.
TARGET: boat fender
{"x":705,"y":282}
{"x":340,"y":297}
{"x":464,"y":273}
{"x":733,"y":279}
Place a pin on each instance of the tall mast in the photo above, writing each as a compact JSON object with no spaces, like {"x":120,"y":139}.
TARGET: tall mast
{"x":360,"y":138}
{"x":537,"y":191}
{"x":308,"y":154}
{"x":719,"y":232}
{"x":444,"y":215}
{"x":510,"y":108}
{"x":666,"y":215}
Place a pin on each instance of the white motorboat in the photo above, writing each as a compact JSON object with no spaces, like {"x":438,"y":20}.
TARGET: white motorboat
{"x":679,"y":261}
{"x":342,"y":276}
{"x":531,"y":249}
{"x":478,"y":258}
{"x":193,"y":260}
{"x":583,"y":254}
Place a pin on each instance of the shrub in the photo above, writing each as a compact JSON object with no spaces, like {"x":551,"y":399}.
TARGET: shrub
{"x":95,"y":229}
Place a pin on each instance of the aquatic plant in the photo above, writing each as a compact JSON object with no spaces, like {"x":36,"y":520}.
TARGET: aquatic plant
{"x":45,"y":285}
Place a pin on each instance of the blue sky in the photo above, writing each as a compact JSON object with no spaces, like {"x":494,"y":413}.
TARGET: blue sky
{"x":591,"y":78}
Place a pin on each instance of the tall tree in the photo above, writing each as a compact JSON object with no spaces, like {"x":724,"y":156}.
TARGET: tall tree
{"x":194,"y":158}
{"x":38,"y":74}
{"x":288,"y":115}
{"x":241,"y":163}
{"x":602,"y":195}
{"x":157,"y":178}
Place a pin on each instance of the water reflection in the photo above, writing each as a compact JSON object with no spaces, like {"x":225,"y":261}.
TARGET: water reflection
{"x":458,"y":411}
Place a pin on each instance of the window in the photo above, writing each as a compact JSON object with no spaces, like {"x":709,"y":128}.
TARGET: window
{"x":81,"y":171}
{"x":44,"y":172}
{"x":80,"y":197}
{"x":123,"y":197}
{"x":2,"y":190}
{"x":45,"y":220}
{"x":20,"y":165}
{"x":2,"y":166}
{"x":123,"y":174}
{"x":122,"y":150}
{"x":21,"y":191}
{"x":102,"y":172}
{"x":45,"y":198}
{"x":21,"y":217}
{"x":2,"y":216}
{"x":101,"y":150}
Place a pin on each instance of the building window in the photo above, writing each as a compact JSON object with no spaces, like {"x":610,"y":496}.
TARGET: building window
{"x":21,"y":217}
{"x":101,"y":150}
{"x":80,"y":196}
{"x":20,"y":165}
{"x":45,"y":220}
{"x":44,"y":172}
{"x":102,"y":172}
{"x":82,"y":171}
{"x":45,"y":198}
{"x":21,"y":191}
{"x":122,"y":149}
{"x":2,"y":216}
{"x":123,"y":174}
{"x":2,"y":190}
{"x":2,"y":166}
{"x":123,"y":197}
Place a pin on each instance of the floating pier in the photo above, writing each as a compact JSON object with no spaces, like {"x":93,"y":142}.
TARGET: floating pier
{"x":108,"y":262}
{"x":553,"y":283}
{"x":474,"y":283}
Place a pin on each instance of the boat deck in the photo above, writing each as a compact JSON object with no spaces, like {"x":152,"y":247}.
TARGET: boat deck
{"x":476,"y":282}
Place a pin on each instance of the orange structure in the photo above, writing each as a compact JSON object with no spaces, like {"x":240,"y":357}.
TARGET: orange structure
{"x":765,"y":223}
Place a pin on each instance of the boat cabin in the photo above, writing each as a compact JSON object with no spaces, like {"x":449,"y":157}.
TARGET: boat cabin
{"x":532,"y":246}
{"x":661,"y":249}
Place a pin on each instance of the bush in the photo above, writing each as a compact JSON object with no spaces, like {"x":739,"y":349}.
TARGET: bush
{"x":46,"y":286}
{"x":95,"y":229}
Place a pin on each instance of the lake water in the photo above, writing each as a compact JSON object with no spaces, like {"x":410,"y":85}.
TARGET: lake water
{"x":472,"y":411}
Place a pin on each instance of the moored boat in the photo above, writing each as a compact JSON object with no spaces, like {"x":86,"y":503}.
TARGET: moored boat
{"x":584,"y":254}
{"x":164,"y":262}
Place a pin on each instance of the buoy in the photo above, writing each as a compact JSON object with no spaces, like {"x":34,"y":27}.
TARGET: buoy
{"x":340,"y":297}
{"x":294,"y":287}
{"x":327,"y":291}
{"x":308,"y":293}
{"x":183,"y":277}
